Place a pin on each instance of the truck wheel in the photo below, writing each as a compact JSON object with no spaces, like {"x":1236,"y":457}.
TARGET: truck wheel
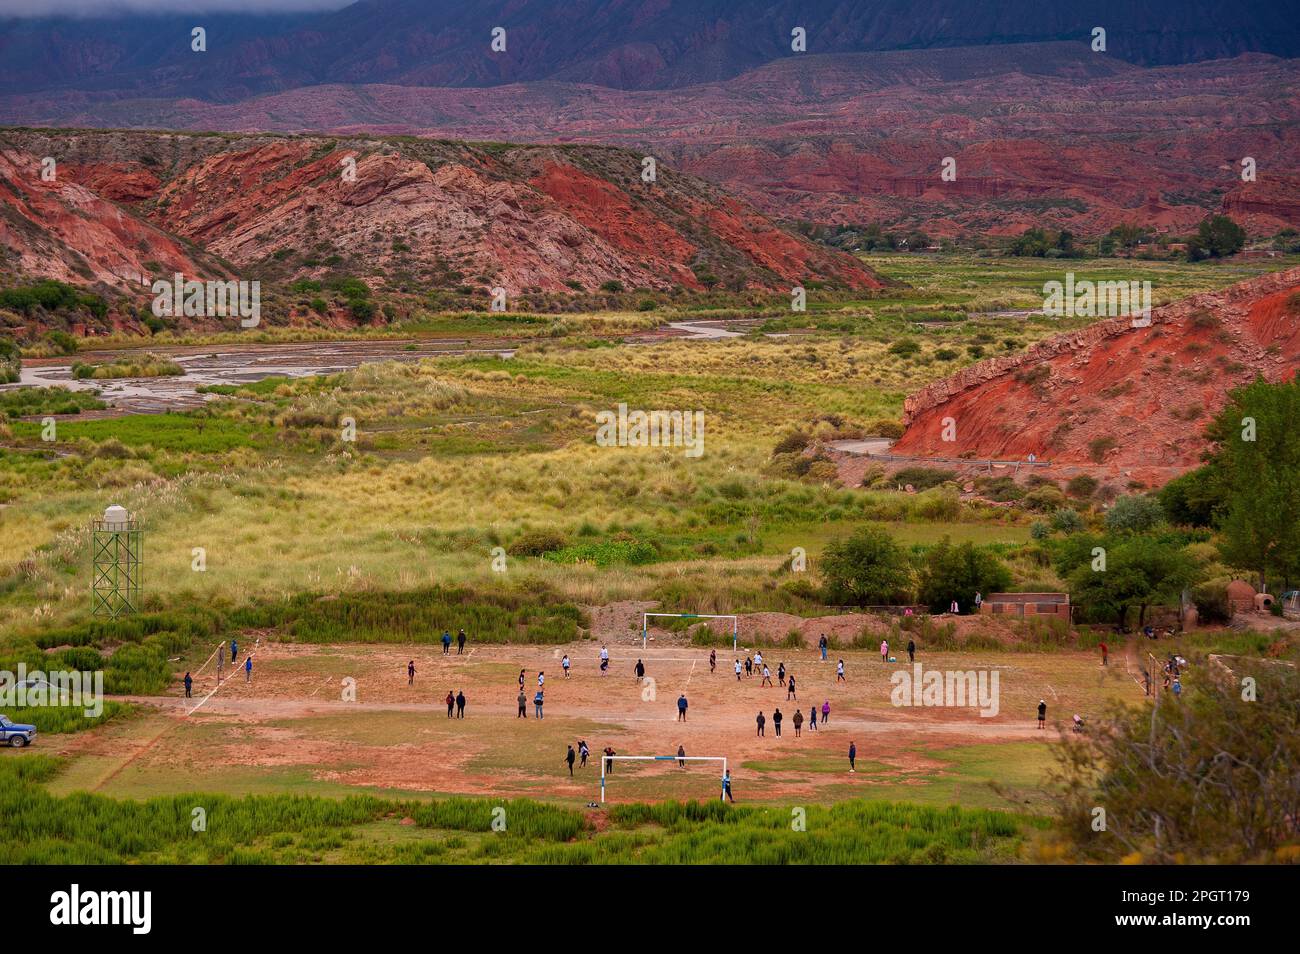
{"x":17,"y":741}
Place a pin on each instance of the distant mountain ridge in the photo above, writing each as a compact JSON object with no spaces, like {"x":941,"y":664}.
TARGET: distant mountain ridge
{"x":623,"y":44}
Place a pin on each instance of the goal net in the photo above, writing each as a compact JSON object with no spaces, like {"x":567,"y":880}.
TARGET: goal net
{"x":685,"y":762}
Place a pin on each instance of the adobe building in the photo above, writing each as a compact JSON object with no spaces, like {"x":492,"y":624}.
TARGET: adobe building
{"x":1027,"y":604}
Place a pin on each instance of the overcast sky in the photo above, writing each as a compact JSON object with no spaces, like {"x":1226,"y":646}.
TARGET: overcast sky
{"x":47,"y":8}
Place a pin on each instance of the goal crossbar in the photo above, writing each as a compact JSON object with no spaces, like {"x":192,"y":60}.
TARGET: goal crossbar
{"x":735,"y":624}
{"x":661,"y":758}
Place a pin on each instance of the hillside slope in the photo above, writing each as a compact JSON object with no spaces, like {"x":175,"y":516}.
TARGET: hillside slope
{"x":419,"y":213}
{"x":1124,"y":398}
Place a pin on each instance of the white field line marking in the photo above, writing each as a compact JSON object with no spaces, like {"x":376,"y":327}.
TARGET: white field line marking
{"x":327,"y":681}
{"x":234,"y":669}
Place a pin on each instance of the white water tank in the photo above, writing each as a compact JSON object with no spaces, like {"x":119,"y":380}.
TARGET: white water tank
{"x":116,"y":518}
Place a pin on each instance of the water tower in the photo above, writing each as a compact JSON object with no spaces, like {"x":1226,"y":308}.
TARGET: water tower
{"x":116,"y":548}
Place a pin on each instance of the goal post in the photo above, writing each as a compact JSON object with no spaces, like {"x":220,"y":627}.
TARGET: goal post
{"x":1156,"y":670}
{"x":735,"y":624}
{"x":722,"y":791}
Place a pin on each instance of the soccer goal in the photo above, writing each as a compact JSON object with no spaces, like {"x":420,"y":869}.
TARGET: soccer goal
{"x":1157,"y":671}
{"x":735,"y":624}
{"x":722,"y":792}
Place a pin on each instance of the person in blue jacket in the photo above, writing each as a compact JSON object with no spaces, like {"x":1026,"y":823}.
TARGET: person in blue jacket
{"x":446,"y":643}
{"x":234,"y":650}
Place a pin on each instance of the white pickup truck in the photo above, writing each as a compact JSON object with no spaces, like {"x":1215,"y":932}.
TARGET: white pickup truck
{"x":12,"y":733}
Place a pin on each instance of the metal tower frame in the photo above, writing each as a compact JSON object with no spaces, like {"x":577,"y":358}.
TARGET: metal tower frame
{"x":117,"y":567}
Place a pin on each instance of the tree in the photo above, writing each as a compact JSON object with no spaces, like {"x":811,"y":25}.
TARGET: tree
{"x":11,"y":361}
{"x":958,"y":573}
{"x":1208,"y":778}
{"x":868,"y":568}
{"x":1134,"y":570}
{"x":1192,"y":499}
{"x":1134,"y":514}
{"x":1216,"y":237}
{"x":1257,"y":467}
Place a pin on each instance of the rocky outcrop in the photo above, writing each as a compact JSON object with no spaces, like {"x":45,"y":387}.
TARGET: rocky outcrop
{"x":1113,"y":394}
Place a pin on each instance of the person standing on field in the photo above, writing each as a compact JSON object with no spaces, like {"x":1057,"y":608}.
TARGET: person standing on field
{"x":737,"y":670}
{"x":460,"y":704}
{"x":523,"y":705}
{"x":1042,"y":713}
{"x":410,"y":673}
{"x":853,"y":756}
{"x":726,"y":785}
{"x":451,"y":703}
{"x":639,"y":670}
{"x":570,"y":757}
{"x":839,"y":672}
{"x":812,"y":717}
{"x":248,"y":669}
{"x":761,"y":721}
{"x":681,"y":756}
{"x":911,"y":650}
{"x":823,"y":644}
{"x":681,"y":708}
{"x":234,"y":650}
{"x":446,"y":643}
{"x":789,"y":690}
{"x":604,"y":660}
{"x":564,"y":663}
{"x":780,"y":674}
{"x":522,"y":673}
{"x":538,"y":700}
{"x":541,"y":679}
{"x":776,"y":722}
{"x":884,"y":650}
{"x":798,"y":723}
{"x":767,"y":677}
{"x":189,"y":682}
{"x":583,"y":753}
{"x":713,"y":660}
{"x":1105,"y":651}
{"x":826,"y":711}
{"x":460,"y":642}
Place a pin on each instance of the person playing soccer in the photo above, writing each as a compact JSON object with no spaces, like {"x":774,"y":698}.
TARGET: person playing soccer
{"x":726,"y":785}
{"x":812,"y":717}
{"x":737,"y":670}
{"x":564,"y":663}
{"x":522,"y":673}
{"x":569,"y":758}
{"x":826,"y":711}
{"x":640,"y":670}
{"x":604,"y":660}
{"x":780,"y":674}
{"x":789,"y":690}
{"x":609,"y":758}
{"x":839,"y":671}
{"x":583,"y":753}
{"x":767,"y":677}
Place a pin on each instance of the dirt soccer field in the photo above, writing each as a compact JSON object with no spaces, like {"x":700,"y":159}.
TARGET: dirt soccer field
{"x":291,"y":729}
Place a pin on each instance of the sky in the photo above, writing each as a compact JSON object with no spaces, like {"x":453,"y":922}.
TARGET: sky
{"x":47,"y":8}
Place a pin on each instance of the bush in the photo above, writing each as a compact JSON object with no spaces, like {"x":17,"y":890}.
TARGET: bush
{"x":1083,"y":486}
{"x":868,"y":568}
{"x":1134,"y":514}
{"x":923,"y":478}
{"x":534,"y":543}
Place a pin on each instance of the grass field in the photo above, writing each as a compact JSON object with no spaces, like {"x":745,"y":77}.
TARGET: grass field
{"x":475,"y":494}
